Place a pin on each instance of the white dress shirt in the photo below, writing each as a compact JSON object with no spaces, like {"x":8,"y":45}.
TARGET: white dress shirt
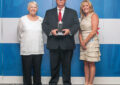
{"x":30,"y":36}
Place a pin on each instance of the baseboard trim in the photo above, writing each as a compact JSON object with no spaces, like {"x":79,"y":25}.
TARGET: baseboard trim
{"x":75,"y":80}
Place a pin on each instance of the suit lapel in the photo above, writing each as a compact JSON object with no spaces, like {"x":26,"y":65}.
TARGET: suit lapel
{"x":56,"y":15}
{"x":65,"y":15}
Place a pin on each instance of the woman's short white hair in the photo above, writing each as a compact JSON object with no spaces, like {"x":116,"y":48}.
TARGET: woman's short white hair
{"x":32,"y":2}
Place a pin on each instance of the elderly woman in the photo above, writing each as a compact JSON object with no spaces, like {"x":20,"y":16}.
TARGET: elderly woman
{"x":31,"y":44}
{"x":89,"y":50}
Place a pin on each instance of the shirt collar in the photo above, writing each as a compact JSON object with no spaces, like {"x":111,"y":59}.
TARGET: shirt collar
{"x":61,"y":9}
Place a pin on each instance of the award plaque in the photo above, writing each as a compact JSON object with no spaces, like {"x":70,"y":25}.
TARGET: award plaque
{"x":60,"y":27}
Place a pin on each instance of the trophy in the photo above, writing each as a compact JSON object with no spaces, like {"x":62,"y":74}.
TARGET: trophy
{"x":60,"y":27}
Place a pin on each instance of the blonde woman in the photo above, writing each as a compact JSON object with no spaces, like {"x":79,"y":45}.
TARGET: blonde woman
{"x":89,"y":50}
{"x":31,"y":44}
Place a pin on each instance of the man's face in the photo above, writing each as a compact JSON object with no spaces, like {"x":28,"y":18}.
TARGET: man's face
{"x":60,"y":2}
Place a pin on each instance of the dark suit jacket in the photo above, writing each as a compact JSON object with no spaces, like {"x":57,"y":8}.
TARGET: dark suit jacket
{"x":70,"y":21}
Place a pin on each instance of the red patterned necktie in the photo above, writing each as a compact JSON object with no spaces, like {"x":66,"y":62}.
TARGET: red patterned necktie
{"x":60,"y":15}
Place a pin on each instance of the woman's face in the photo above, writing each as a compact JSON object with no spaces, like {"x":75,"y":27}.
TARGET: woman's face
{"x":86,"y":7}
{"x":32,"y":9}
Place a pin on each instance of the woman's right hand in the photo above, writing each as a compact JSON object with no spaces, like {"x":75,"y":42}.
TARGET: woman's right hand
{"x":83,"y":45}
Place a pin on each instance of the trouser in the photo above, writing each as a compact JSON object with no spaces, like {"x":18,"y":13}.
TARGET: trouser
{"x":60,"y":57}
{"x":30,"y":62}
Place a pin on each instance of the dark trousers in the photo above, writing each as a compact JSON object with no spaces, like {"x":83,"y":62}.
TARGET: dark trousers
{"x":30,"y":62}
{"x":57,"y":58}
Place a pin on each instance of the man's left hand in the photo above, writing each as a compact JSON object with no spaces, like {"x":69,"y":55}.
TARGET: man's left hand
{"x":66,"y":31}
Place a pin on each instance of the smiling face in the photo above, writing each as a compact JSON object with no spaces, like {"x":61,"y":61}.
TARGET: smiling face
{"x":86,"y":7}
{"x":32,"y":8}
{"x":60,"y":3}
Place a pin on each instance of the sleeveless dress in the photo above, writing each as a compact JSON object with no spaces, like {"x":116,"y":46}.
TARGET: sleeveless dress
{"x":92,"y":53}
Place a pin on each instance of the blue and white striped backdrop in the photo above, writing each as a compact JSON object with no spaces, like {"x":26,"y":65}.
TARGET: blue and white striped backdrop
{"x":109,"y":66}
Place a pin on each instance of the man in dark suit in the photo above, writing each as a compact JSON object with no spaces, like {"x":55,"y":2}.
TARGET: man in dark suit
{"x":61,"y":47}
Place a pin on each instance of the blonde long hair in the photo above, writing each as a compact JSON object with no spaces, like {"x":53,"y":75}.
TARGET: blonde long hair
{"x":91,"y":8}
